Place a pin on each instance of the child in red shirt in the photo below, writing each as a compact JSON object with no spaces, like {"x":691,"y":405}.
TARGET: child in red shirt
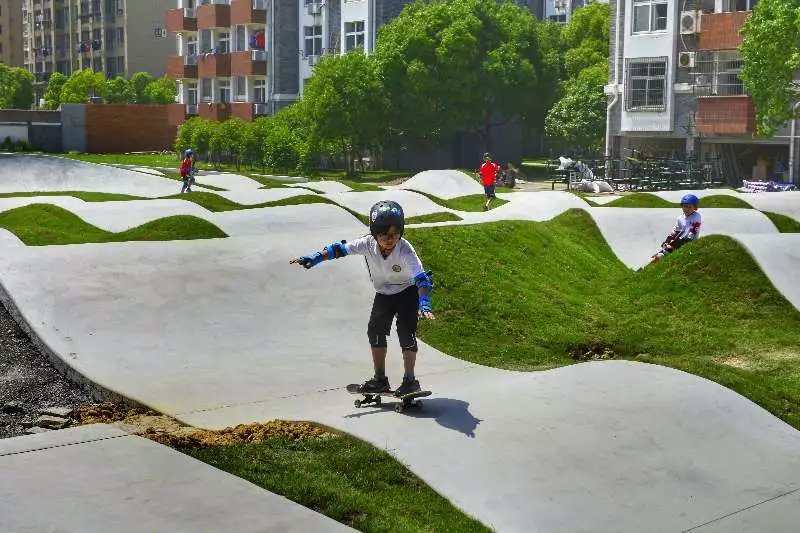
{"x":187,"y":170}
{"x":488,"y":173}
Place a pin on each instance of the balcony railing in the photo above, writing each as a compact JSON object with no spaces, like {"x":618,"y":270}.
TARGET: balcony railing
{"x":258,"y":55}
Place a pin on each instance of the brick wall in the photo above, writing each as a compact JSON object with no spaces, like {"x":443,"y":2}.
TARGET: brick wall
{"x":725,"y":115}
{"x":116,"y":128}
{"x":720,"y":31}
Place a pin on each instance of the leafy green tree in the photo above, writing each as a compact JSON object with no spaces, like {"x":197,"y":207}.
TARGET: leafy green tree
{"x":82,"y":85}
{"x":202,"y":135}
{"x":119,"y":91}
{"x":52,"y":95}
{"x":255,"y":136}
{"x":770,"y":60}
{"x":161,"y":91}
{"x":461,"y":64}
{"x":16,"y":88}
{"x":342,"y":103}
{"x":183,"y":139}
{"x":140,"y":81}
{"x":280,"y":151}
{"x":579,"y":117}
{"x":585,"y":38}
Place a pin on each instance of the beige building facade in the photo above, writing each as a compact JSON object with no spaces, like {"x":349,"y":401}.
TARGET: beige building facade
{"x":11,"y":33}
{"x":115,"y":37}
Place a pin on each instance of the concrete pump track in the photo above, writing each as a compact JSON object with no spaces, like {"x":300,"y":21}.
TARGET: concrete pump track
{"x":219,"y":332}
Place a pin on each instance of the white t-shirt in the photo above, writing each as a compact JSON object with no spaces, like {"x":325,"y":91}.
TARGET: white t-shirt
{"x":687,"y":227}
{"x":392,"y":274}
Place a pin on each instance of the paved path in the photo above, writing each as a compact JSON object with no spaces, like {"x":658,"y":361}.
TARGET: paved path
{"x":97,"y":479}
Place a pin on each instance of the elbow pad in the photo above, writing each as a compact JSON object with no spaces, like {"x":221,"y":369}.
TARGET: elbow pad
{"x":423,"y":279}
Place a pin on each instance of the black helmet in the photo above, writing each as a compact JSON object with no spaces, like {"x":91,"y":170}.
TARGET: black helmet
{"x":385,"y":214}
{"x":487,"y":155}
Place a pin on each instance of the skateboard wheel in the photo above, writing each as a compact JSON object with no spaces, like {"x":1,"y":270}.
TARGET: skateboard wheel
{"x":357,"y":403}
{"x":399,"y":407}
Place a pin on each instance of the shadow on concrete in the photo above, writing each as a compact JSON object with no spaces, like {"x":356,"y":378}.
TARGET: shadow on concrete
{"x":448,"y":413}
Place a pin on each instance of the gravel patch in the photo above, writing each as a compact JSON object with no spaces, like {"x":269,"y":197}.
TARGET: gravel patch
{"x":28,"y":382}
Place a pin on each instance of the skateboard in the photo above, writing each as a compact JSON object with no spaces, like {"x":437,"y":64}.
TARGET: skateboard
{"x":408,"y":400}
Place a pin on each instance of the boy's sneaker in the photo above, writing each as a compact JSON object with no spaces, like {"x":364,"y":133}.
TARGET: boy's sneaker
{"x":375,"y":385}
{"x":407,"y":387}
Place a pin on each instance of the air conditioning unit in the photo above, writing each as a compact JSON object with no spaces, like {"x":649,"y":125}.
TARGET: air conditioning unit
{"x":314,"y":8}
{"x":686,"y":59}
{"x":690,"y":22}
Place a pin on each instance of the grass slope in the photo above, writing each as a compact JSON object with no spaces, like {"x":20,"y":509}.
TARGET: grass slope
{"x":643,"y":199}
{"x":471,"y":202}
{"x":46,"y":224}
{"x":344,"y":478}
{"x":444,"y":216}
{"x":783,"y":223}
{"x":217,"y":203}
{"x":85,"y":196}
{"x":531,"y":293}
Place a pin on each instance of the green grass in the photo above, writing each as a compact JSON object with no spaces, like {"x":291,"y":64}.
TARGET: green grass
{"x":472,"y":202}
{"x":177,"y":177}
{"x":46,"y":224}
{"x":443,"y":216}
{"x":643,"y":199}
{"x":358,"y":186}
{"x":366,"y":176}
{"x":142,"y":160}
{"x":85,"y":196}
{"x":783,"y":223}
{"x":217,"y":203}
{"x":537,"y":291}
{"x":343,"y":478}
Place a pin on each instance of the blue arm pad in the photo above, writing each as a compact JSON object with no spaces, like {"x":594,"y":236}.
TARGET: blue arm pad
{"x":309,"y":261}
{"x":425,"y":303}
{"x":336,"y":250}
{"x":423,"y":279}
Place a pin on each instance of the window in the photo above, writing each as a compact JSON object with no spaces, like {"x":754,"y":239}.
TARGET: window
{"x":191,"y":46}
{"x":313,"y":35}
{"x":241,"y":89}
{"x":224,"y":91}
{"x":121,"y":35}
{"x":353,"y":34}
{"x":205,"y":41}
{"x":646,"y":87}
{"x":728,"y":68}
{"x":241,"y":40}
{"x":649,"y":15}
{"x":191,"y":93}
{"x":206,"y":93}
{"x":224,"y":42}
{"x":738,"y":5}
{"x":260,"y":90}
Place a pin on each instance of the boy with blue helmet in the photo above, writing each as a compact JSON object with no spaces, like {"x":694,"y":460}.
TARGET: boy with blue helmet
{"x":402,"y":289}
{"x":686,"y":228}
{"x":187,"y":171}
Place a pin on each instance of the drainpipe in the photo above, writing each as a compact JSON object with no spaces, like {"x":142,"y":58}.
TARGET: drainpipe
{"x":618,"y":32}
{"x":792,"y":143}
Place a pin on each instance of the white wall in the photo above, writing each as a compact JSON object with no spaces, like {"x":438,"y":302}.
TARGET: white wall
{"x":16,"y":132}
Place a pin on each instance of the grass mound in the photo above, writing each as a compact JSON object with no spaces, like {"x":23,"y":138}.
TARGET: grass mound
{"x":643,"y":199}
{"x":471,"y":202}
{"x":783,"y":223}
{"x":85,"y":196}
{"x":216,"y":203}
{"x":542,"y":295}
{"x":444,"y":216}
{"x":46,"y":224}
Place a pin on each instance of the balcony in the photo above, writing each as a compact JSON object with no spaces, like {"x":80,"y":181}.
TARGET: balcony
{"x":214,"y":66}
{"x":243,"y":110}
{"x":248,"y":12}
{"x":191,"y":109}
{"x":725,"y":115}
{"x":720,"y":31}
{"x":182,"y":67}
{"x":249,"y":63}
{"x":214,"y":16}
{"x":214,"y":111}
{"x":178,"y":20}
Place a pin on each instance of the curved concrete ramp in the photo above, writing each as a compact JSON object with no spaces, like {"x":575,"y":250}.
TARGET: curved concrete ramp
{"x":260,"y":196}
{"x":784,"y":203}
{"x":414,"y":204}
{"x":228,"y":181}
{"x":779,"y":257}
{"x":38,"y":173}
{"x":325,"y":186}
{"x":443,"y":184}
{"x":9,"y":240}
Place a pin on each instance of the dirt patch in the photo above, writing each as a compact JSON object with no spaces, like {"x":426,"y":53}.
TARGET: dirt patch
{"x":596,"y":351}
{"x":170,"y":432}
{"x":737,"y":362}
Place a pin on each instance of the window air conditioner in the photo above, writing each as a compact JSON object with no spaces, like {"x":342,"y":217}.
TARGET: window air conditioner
{"x":690,"y":22}
{"x":686,"y":59}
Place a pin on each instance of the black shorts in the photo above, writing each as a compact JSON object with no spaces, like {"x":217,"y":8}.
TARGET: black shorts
{"x":405,"y":305}
{"x":489,"y":191}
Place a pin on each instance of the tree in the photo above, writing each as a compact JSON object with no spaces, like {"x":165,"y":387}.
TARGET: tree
{"x":82,"y":85}
{"x":770,"y":54}
{"x":585,"y":38}
{"x":140,"y":82}
{"x":16,"y":88}
{"x":461,"y":64}
{"x":161,"y":91}
{"x":579,"y":117}
{"x":119,"y":91}
{"x":52,"y":95}
{"x":343,"y":102}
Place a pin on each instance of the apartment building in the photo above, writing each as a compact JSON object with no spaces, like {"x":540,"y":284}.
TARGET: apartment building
{"x":11,"y":33}
{"x":675,"y":88}
{"x":116,"y":37}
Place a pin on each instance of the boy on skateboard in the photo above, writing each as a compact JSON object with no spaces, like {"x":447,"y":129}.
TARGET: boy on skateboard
{"x":686,"y":229}
{"x":402,"y":288}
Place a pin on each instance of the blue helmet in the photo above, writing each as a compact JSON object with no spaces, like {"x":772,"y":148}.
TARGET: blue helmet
{"x":690,"y":199}
{"x":188,"y":152}
{"x":385,"y":214}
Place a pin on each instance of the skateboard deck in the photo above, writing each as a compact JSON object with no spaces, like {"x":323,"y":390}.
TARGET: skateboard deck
{"x":407,"y":400}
